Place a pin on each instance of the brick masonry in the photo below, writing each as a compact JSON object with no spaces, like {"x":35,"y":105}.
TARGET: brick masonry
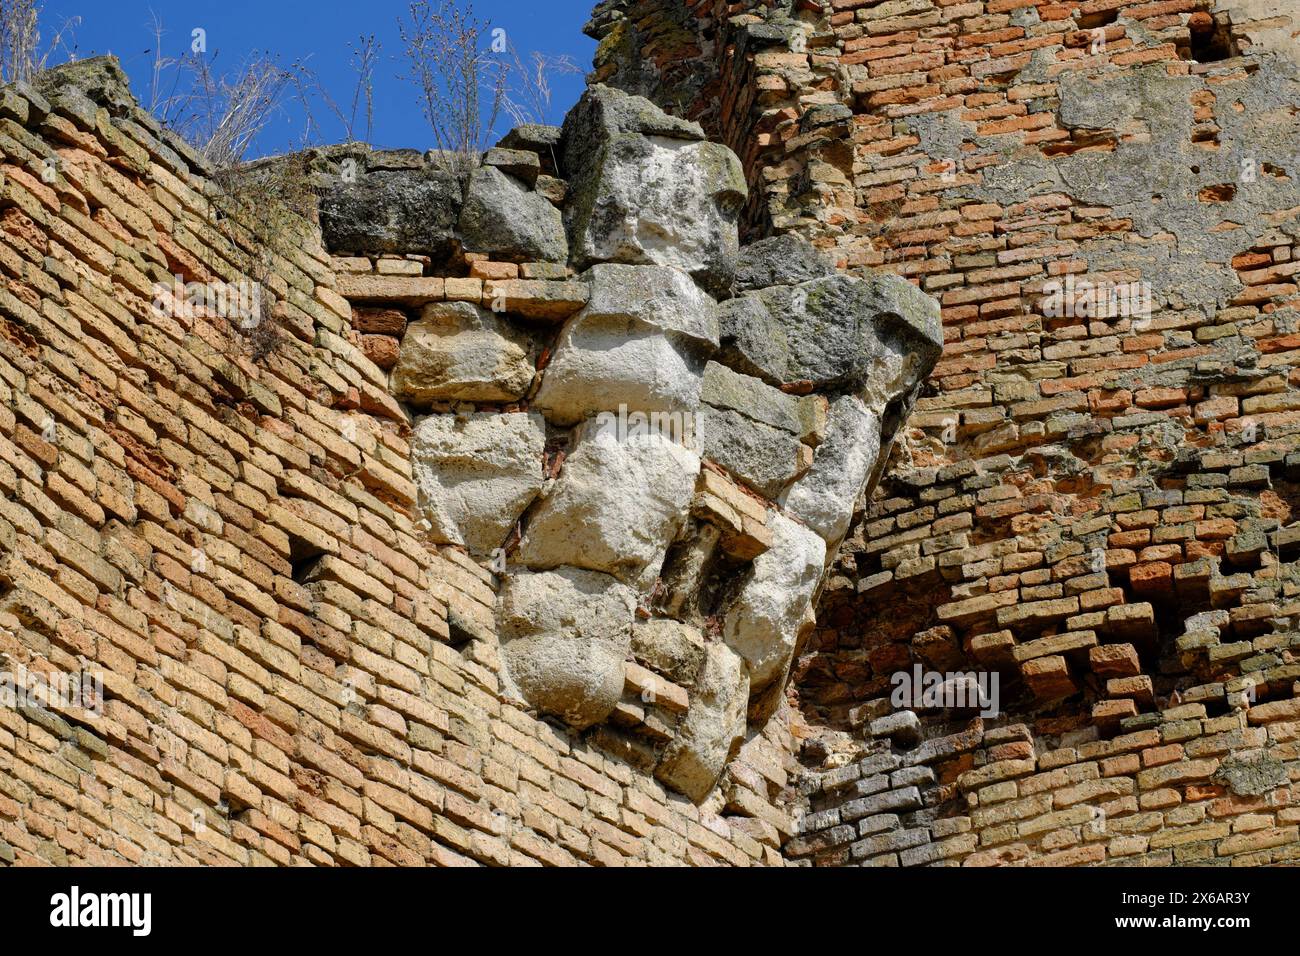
{"x":1095,"y":504}
{"x":1097,"y":507}
{"x":291,"y":672}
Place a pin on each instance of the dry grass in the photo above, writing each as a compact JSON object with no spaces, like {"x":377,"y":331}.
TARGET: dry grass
{"x":365,"y":54}
{"x":528,"y":92}
{"x":468,"y":79}
{"x":462,"y":86}
{"x":221,"y":115}
{"x":21,"y":56}
{"x":365,"y":57}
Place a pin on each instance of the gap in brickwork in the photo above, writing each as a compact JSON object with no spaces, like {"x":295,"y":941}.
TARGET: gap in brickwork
{"x":303,"y":566}
{"x":1094,"y":21}
{"x":1211,"y":39}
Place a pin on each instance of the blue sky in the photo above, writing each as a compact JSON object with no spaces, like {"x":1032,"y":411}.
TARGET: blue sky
{"x":321,"y":34}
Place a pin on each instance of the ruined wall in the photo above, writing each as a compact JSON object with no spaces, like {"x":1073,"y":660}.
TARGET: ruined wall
{"x":296,"y":668}
{"x":295,"y":608}
{"x":652,"y":436}
{"x":1096,"y":501}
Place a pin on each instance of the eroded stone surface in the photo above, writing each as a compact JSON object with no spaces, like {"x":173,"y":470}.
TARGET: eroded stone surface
{"x":750,"y":396}
{"x":565,"y":635}
{"x":765,"y":458}
{"x":837,"y":332}
{"x":751,"y":429}
{"x":661,"y":297}
{"x":713,"y":728}
{"x":605,"y":112}
{"x":460,"y":351}
{"x":824,"y":498}
{"x":644,"y":189}
{"x":476,"y":474}
{"x":904,"y":342}
{"x":780,"y":260}
{"x":1252,"y":777}
{"x":763,"y":624}
{"x":751,"y":341}
{"x":503,"y":217}
{"x":615,"y":507}
{"x":392,"y":211}
{"x":600,"y":364}
{"x":674,"y":649}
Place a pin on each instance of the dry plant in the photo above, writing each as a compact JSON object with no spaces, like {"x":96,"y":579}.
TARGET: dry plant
{"x":19,"y":39}
{"x":261,"y":205}
{"x":365,"y":56}
{"x":160,"y":103}
{"x":462,"y":86}
{"x":528,"y":93}
{"x":21,"y":58}
{"x":222,"y":114}
{"x":528,"y":98}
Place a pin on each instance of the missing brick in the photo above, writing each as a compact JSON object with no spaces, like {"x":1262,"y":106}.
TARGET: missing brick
{"x":1210,"y":39}
{"x":464,"y":630}
{"x":303,"y":557}
{"x":1093,"y":21}
{"x":1083,"y":140}
{"x":1223,"y":192}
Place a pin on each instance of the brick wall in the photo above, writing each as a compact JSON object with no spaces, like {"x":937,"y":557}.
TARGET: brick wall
{"x":1096,"y":507}
{"x":290,"y":673}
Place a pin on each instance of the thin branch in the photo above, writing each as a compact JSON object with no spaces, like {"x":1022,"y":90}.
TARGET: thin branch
{"x":529,"y":96}
{"x":462,"y":86}
{"x":21,"y":59}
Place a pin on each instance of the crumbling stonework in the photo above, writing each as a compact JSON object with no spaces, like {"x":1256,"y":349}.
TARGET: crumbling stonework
{"x":593,"y":502}
{"x":1095,"y":499}
{"x":662,"y":452}
{"x":500,"y":477}
{"x":300,"y":662}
